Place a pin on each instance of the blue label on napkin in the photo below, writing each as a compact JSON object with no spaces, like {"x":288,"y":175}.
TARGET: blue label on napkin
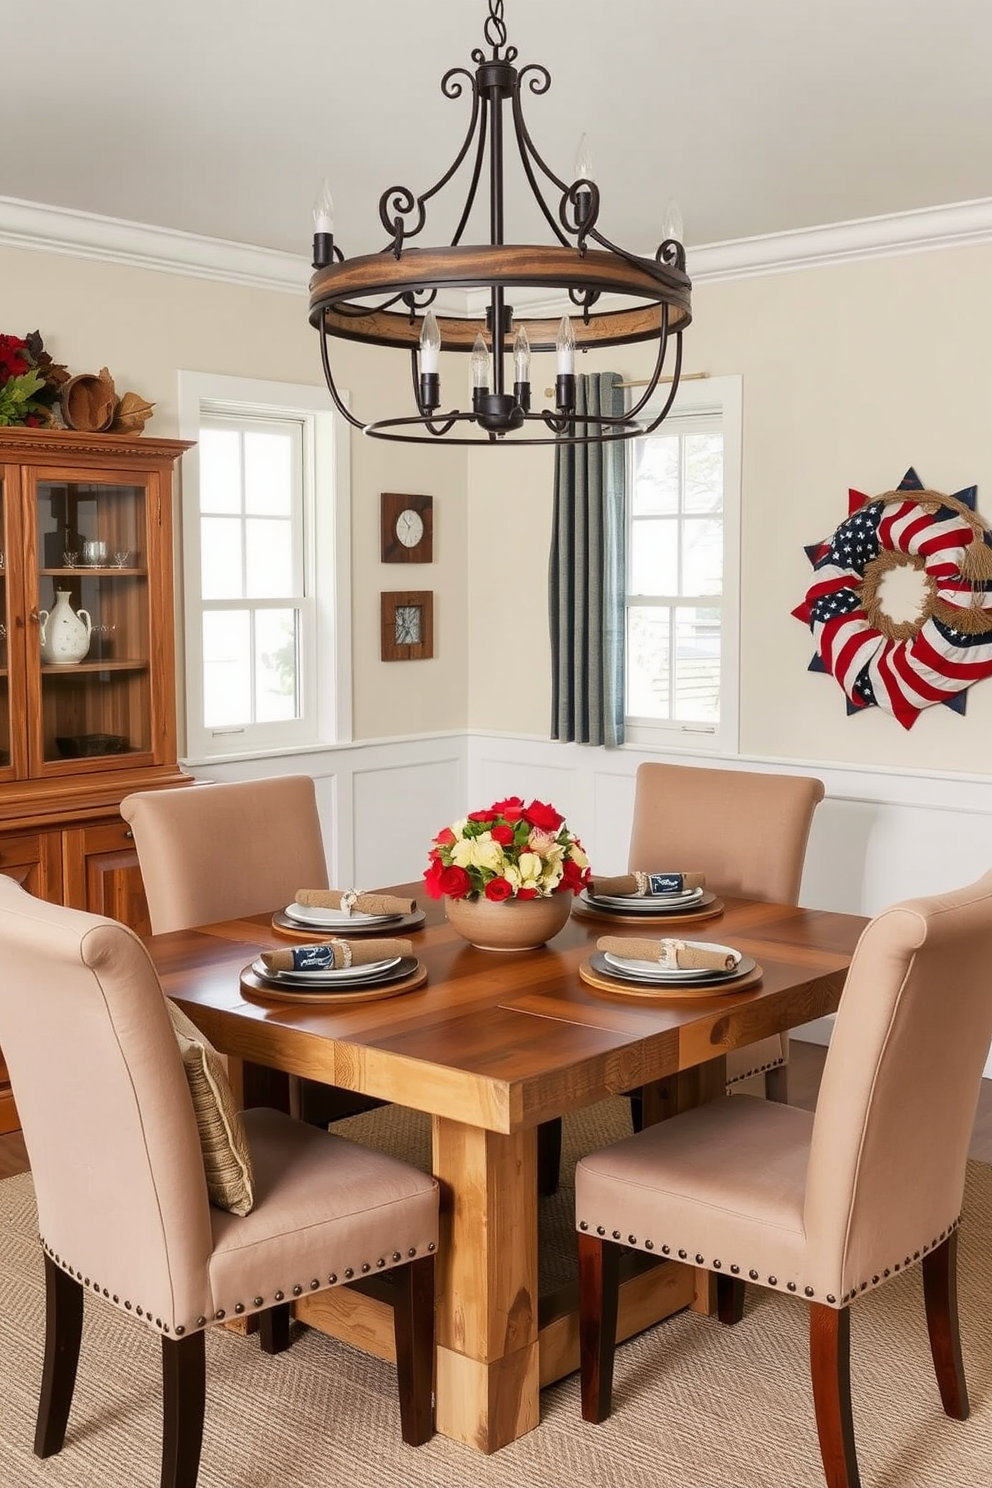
{"x":665,"y":883}
{"x":313,"y":958}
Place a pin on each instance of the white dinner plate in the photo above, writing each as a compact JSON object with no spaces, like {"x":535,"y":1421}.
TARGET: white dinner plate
{"x":333,"y":919}
{"x":653,"y":970}
{"x":327,"y":976}
{"x":648,"y":903}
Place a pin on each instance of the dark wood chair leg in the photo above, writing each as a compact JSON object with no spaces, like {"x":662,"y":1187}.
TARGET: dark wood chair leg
{"x":273,"y":1329}
{"x":940,"y":1294}
{"x":183,"y":1394}
{"x":413,"y":1325}
{"x":830,"y":1366}
{"x":63,"y":1331}
{"x":777,"y":1084}
{"x":548,"y":1157}
{"x":729,"y":1298}
{"x":599,"y":1285}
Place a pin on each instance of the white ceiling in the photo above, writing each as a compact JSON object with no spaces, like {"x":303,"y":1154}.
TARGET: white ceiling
{"x":220,"y":117}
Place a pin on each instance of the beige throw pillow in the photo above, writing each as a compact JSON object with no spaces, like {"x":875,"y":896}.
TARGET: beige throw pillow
{"x":226,"y":1154}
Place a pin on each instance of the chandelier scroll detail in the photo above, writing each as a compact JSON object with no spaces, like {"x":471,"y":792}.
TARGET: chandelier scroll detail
{"x":610,"y":296}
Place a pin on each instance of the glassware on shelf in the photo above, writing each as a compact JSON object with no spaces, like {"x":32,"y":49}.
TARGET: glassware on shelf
{"x":122,"y":557}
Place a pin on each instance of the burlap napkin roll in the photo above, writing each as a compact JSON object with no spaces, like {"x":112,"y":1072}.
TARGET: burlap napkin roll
{"x":333,"y":955}
{"x":642,"y":882}
{"x":349,"y":899}
{"x":670,"y":953}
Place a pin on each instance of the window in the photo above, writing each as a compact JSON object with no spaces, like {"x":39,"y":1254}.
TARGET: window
{"x":265,"y":562}
{"x":682,"y":519}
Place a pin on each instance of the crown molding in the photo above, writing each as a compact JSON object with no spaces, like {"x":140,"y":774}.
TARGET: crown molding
{"x":25,"y":224}
{"x":33,"y":225}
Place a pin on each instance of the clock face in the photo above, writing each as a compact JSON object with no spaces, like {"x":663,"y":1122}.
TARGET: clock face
{"x":408,"y":625}
{"x":409,"y":527}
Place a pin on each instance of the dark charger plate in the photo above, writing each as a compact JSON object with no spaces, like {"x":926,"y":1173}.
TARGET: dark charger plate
{"x":78,"y":746}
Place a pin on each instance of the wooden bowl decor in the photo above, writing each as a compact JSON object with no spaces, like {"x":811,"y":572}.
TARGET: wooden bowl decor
{"x":903,"y":662}
{"x":89,"y":402}
{"x":90,"y":405}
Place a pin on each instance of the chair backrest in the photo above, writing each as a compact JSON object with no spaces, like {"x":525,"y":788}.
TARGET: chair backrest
{"x":104,"y":1104}
{"x":901,"y":1082}
{"x":214,"y":852}
{"x":746,"y":831}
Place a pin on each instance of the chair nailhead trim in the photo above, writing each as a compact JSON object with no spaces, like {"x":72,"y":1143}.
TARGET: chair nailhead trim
{"x":753,"y":1275}
{"x":297,"y":1290}
{"x":332,"y":1281}
{"x":666,"y":1250}
{"x":600,"y":1230}
{"x":201,"y":1322}
{"x":315,"y":1285}
{"x":349,"y":1273}
{"x":790,"y":1286}
{"x":365,"y":1267}
{"x":412,"y":1251}
{"x":583,"y":1225}
{"x":128,"y":1306}
{"x":397,"y":1256}
{"x":380,"y":1262}
{"x":831,"y":1298}
{"x":699,"y":1260}
{"x":809,"y":1291}
{"x":717,"y":1265}
{"x":239,"y":1308}
{"x":257,"y":1301}
{"x":773,"y":1281}
{"x":278,"y":1296}
{"x":616,"y":1234}
{"x":736,"y":1270}
{"x":649,"y":1245}
{"x":180,"y":1330}
{"x":220,"y":1314}
{"x":683,"y":1255}
{"x":432,"y":1247}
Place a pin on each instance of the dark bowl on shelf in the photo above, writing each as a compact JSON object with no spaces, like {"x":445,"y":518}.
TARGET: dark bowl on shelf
{"x":78,"y":746}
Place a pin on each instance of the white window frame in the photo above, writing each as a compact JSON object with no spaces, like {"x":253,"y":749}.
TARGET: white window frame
{"x":325,"y":683}
{"x":723,"y":396}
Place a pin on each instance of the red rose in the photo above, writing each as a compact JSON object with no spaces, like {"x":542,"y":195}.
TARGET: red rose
{"x":526,"y":893}
{"x":502,"y":835}
{"x":498,"y":889}
{"x":543,"y":816}
{"x":512,"y":808}
{"x":432,"y":877}
{"x":572,"y":876}
{"x":455,"y":882}
{"x":445,"y":836}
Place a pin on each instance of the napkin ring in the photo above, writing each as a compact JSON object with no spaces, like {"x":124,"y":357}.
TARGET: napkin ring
{"x":348,"y":900}
{"x":344,"y":947}
{"x":670,"y":952}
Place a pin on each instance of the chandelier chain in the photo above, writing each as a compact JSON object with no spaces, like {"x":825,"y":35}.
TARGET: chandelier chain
{"x":495,"y":27}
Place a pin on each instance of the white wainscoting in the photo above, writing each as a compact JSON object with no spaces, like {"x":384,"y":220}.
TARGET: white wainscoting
{"x":879,"y":835}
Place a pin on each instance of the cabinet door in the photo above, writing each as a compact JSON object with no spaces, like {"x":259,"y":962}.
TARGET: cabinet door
{"x":102,"y":873}
{"x":35,"y":860}
{"x":99,"y":642}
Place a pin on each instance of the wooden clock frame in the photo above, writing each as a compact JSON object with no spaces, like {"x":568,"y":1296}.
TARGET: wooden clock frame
{"x":392,"y":602}
{"x":392,"y":503}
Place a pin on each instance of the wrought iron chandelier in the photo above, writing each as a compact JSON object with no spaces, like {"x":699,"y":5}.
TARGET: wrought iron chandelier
{"x":386,"y":298}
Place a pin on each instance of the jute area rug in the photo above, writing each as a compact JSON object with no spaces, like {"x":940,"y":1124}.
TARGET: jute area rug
{"x":696,"y":1405}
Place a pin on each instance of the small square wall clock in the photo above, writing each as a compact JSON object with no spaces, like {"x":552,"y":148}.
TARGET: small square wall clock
{"x":407,"y":618}
{"x":407,"y":528}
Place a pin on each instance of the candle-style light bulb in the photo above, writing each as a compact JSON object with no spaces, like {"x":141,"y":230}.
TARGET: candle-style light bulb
{"x":323,"y":209}
{"x":480,"y":365}
{"x":521,"y":356}
{"x":583,"y":161}
{"x":430,"y":344}
{"x":565,"y":347}
{"x":671,"y":223}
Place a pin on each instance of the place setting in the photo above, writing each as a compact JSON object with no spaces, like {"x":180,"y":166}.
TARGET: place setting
{"x":640,"y":897}
{"x":643,"y":966}
{"x":336,"y":970}
{"x":351,"y":911}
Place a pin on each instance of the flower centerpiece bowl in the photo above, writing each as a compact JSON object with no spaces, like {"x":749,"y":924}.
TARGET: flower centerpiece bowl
{"x":507,"y":874}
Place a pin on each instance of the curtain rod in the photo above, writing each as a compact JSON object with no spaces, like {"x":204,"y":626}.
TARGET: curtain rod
{"x":686,"y":377}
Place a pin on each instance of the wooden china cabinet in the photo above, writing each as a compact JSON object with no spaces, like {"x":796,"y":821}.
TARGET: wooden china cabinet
{"x":89,"y":516}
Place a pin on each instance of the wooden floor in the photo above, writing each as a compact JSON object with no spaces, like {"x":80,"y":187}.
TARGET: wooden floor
{"x":805,"y":1069}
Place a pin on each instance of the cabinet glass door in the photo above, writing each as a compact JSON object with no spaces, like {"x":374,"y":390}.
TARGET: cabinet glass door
{"x":4,"y":630}
{"x":94,"y":630}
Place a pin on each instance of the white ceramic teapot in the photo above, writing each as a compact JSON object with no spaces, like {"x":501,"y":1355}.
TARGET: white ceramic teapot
{"x":65,"y":634}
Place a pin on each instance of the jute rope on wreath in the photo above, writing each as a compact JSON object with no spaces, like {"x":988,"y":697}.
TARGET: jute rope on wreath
{"x":975,"y":566}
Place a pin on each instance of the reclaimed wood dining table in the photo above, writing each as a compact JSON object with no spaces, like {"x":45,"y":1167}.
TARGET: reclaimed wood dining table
{"x":493,"y":1045}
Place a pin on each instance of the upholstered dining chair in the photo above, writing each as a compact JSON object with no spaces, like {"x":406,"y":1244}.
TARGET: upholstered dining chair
{"x":120,"y":1161}
{"x":747,"y":832}
{"x":825,"y":1206}
{"x":219,"y":851}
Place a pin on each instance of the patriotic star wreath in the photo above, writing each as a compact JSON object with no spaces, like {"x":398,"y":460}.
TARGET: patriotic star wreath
{"x":903,"y":666}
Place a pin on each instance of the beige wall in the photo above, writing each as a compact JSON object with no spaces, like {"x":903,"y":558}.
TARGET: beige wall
{"x":146,"y":325}
{"x":851,"y":373}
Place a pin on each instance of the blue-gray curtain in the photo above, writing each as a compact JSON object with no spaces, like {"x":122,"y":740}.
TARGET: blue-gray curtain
{"x":586,"y":584}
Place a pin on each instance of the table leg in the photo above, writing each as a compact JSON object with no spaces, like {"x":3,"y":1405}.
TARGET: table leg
{"x":488,"y":1366}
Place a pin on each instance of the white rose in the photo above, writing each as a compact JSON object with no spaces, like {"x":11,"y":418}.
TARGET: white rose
{"x":478,"y":852}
